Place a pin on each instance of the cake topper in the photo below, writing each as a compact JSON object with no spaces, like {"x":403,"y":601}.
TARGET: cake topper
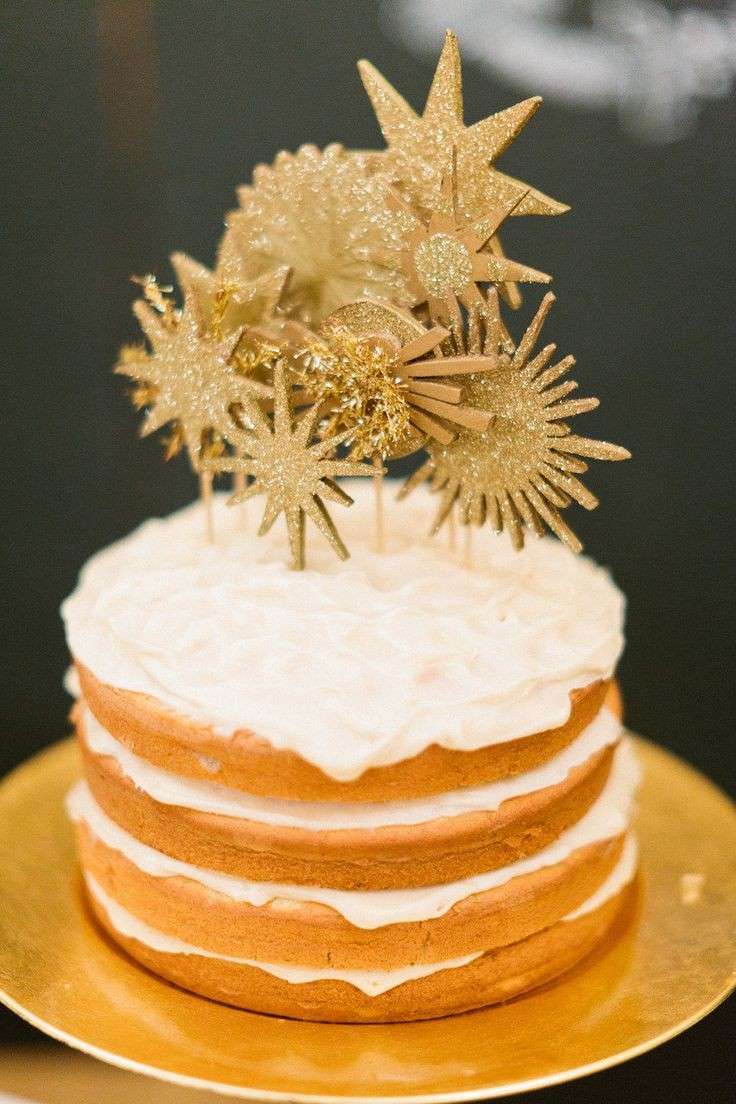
{"x":420,"y":147}
{"x":294,"y":471}
{"x":363,"y":288}
{"x":369,"y":366}
{"x":445,"y":257}
{"x":522,"y":470}
{"x":322,"y":214}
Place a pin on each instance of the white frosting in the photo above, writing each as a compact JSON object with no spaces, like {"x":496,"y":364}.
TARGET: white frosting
{"x":350,"y":665}
{"x":370,"y":982}
{"x":608,"y":817}
{"x":622,"y":873}
{"x":210,"y":797}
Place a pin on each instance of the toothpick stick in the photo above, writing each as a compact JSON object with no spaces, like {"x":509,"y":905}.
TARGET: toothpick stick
{"x":205,"y":493}
{"x":379,"y":535}
{"x":239,"y":484}
{"x":468,"y":546}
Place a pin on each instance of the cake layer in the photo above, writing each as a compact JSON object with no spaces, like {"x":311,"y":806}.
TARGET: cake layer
{"x":405,"y":993}
{"x":211,"y":797}
{"x":380,"y":857}
{"x":247,"y":762}
{"x":349,"y":667}
{"x":320,"y":926}
{"x":307,"y":933}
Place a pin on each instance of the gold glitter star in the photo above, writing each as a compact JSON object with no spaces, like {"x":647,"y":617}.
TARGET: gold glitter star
{"x":523,"y":469}
{"x":294,"y":473}
{"x":364,"y":367}
{"x":190,"y":377}
{"x":420,"y":147}
{"x":222,"y":307}
{"x":443,"y":258}
{"x":325,"y":217}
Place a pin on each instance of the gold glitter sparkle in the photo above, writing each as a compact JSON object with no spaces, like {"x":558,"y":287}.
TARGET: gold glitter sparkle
{"x":224,"y":306}
{"x":325,"y":217}
{"x":444,"y":258}
{"x":521,"y":471}
{"x":189,"y":378}
{"x":370,"y":368}
{"x":420,"y":146}
{"x":295,"y":473}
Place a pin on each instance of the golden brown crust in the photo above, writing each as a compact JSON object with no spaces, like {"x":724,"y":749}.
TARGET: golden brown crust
{"x":311,"y":934}
{"x":614,"y":699}
{"x":249,"y":763}
{"x":498,"y":975}
{"x":397,"y":856}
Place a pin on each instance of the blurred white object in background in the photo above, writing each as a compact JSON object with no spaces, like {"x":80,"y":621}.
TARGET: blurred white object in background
{"x":654,"y":65}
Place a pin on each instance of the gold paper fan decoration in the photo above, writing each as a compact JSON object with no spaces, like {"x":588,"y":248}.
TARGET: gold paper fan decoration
{"x":444,"y":258}
{"x":321,"y":214}
{"x":522,"y":470}
{"x":420,"y":146}
{"x":191,"y":376}
{"x":294,"y":472}
{"x":364,"y":368}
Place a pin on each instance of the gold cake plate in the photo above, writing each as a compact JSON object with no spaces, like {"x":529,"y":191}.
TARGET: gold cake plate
{"x":670,"y":962}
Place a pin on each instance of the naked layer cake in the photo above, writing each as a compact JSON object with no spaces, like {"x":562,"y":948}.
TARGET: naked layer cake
{"x":389,"y":789}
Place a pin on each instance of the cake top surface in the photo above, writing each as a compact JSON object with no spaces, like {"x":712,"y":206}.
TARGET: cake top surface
{"x":349,"y":665}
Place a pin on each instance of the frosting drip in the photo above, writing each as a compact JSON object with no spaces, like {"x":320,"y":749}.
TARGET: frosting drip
{"x":607,"y":818}
{"x":209,"y":797}
{"x":349,"y":665}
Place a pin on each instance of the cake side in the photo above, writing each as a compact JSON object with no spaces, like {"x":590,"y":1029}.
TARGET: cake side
{"x":416,"y":872}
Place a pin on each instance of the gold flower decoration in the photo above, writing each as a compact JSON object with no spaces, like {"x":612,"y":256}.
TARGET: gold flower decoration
{"x":190,"y":377}
{"x":420,"y":146}
{"x":325,"y":217}
{"x":290,"y":468}
{"x":368,"y":367}
{"x":444,"y":258}
{"x":523,"y":469}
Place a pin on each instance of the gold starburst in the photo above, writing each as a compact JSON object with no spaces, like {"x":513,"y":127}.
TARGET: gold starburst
{"x":364,"y":367}
{"x":444,"y":259}
{"x":222,"y":306}
{"x":420,"y":146}
{"x":325,"y":217}
{"x":523,"y":469}
{"x":191,"y":376}
{"x":290,"y":468}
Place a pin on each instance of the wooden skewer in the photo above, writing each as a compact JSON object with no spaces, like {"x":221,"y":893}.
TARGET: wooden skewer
{"x":205,"y":493}
{"x":239,"y":484}
{"x":468,"y":547}
{"x":379,"y":529}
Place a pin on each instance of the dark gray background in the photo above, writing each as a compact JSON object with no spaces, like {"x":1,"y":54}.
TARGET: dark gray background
{"x":128,"y":127}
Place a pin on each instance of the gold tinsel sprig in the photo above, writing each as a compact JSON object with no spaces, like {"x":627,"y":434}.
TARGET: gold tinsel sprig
{"x":357,"y":380}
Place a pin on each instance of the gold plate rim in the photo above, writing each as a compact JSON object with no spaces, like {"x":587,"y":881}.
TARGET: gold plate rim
{"x":51,"y":770}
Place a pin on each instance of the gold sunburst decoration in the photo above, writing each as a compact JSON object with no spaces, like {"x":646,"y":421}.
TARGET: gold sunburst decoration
{"x":420,"y":146}
{"x":190,"y":377}
{"x":369,"y":367}
{"x":521,"y":471}
{"x":445,"y":258}
{"x":295,"y":472}
{"x":322,"y":214}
